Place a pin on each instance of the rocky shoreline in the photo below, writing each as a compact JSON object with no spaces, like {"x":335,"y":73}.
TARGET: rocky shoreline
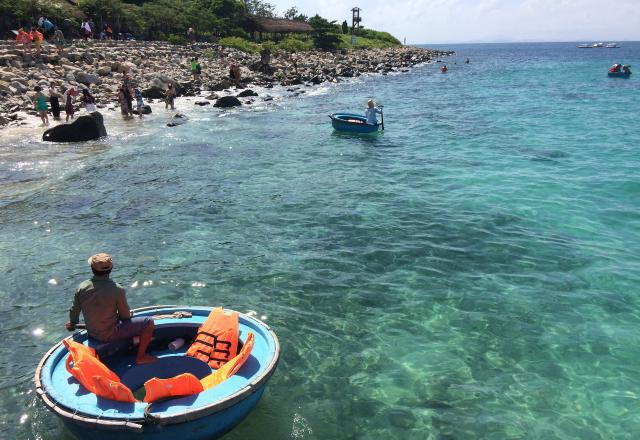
{"x":99,"y":66}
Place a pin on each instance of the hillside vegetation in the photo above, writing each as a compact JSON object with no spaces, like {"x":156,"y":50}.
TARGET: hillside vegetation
{"x":214,"y":20}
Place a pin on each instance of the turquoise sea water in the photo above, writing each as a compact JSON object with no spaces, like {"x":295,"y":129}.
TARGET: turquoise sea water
{"x":472,"y":273}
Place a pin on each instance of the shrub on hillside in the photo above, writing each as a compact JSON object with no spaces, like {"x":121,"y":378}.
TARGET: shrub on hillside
{"x":240,"y":44}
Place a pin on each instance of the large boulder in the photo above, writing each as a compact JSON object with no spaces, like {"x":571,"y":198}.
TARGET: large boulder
{"x":227,"y":101}
{"x":87,"y":78}
{"x":153,"y":92}
{"x":84,"y":128}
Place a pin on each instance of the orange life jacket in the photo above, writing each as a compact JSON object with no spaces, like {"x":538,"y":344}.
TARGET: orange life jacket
{"x":217,"y":340}
{"x":231,"y":367}
{"x":23,"y":37}
{"x":94,"y":375}
{"x":184,"y":384}
{"x":187,"y":384}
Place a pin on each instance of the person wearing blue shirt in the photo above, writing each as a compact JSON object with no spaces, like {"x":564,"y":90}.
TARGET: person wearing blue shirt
{"x":371,"y":111}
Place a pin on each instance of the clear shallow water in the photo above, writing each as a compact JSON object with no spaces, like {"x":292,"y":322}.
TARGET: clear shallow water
{"x":469,"y":274}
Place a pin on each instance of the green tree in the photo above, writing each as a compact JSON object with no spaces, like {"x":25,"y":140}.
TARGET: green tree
{"x":260,"y":8}
{"x":293,"y":14}
{"x":325,"y":33}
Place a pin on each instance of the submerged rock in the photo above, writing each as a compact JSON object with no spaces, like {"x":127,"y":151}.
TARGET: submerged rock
{"x":85,"y":128}
{"x":177,"y":119}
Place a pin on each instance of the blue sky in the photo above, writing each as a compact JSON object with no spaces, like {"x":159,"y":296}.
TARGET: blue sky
{"x":453,"y":21}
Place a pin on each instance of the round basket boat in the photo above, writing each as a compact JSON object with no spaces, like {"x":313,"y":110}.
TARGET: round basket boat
{"x":352,"y":123}
{"x":618,"y":74}
{"x":206,"y":415}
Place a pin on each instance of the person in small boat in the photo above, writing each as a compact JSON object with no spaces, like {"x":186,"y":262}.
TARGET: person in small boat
{"x":371,"y":111}
{"x":616,"y":68}
{"x":103,"y":304}
{"x":626,"y":69}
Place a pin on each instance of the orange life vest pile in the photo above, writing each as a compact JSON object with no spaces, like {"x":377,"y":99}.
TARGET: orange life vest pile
{"x":216,"y":344}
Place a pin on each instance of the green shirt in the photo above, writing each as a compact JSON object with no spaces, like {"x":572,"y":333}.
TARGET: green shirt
{"x":194,"y":66}
{"x":103,"y":303}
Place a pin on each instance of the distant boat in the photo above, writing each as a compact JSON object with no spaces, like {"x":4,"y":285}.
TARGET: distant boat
{"x":612,"y":46}
{"x":584,"y":46}
{"x":598,"y":45}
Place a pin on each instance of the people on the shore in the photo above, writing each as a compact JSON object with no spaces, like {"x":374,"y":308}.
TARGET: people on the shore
{"x":58,"y":40}
{"x":47,"y":27}
{"x":371,"y":111}
{"x":265,"y":60}
{"x":89,"y":101}
{"x":128,"y":92}
{"x":41,"y":105}
{"x":139,"y":101}
{"x":191,"y":35}
{"x":169,"y":97}
{"x":69,"y":109}
{"x":37,"y":37}
{"x":85,"y":29}
{"x":54,"y":100}
{"x":103,"y":304}
{"x":196,"y":68}
{"x":24,"y":38}
{"x":124,"y":102}
{"x":234,"y":73}
{"x":108,"y":32}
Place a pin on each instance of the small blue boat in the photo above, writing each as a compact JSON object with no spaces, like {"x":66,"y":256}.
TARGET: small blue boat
{"x":352,"y":123}
{"x":204,"y":416}
{"x":619,"y":74}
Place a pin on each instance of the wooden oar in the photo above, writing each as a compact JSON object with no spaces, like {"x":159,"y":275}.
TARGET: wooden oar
{"x":174,"y":315}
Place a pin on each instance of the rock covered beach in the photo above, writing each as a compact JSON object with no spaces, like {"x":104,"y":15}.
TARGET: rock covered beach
{"x":99,"y":66}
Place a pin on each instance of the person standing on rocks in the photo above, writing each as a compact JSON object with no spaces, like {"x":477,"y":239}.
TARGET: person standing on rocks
{"x":47,"y":27}
{"x":234,"y":73}
{"x":58,"y":40}
{"x":265,"y":60}
{"x":24,"y":38}
{"x":85,"y":28}
{"x":196,"y":69}
{"x":37,"y":37}
{"x":41,"y":105}
{"x":54,"y":100}
{"x":89,"y":101}
{"x":169,"y":97}
{"x":191,"y":35}
{"x":68,"y":102}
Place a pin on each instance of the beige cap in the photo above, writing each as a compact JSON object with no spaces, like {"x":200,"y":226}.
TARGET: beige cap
{"x":101,"y":262}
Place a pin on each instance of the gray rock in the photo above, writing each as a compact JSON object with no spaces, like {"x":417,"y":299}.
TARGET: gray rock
{"x":202,"y":103}
{"x":87,"y":78}
{"x":245,"y":93}
{"x":227,"y":101}
{"x":146,"y":110}
{"x":177,"y":119}
{"x":85,"y":128}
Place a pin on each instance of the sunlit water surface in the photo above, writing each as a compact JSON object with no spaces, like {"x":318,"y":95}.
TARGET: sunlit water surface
{"x":472,"y":273}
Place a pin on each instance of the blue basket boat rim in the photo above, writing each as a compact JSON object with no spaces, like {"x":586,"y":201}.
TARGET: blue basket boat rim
{"x":141,"y":413}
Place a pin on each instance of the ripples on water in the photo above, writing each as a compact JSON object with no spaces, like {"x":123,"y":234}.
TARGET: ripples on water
{"x":469,"y":274}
